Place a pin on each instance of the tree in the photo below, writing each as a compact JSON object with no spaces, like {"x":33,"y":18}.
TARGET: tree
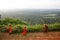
{"x":0,"y":15}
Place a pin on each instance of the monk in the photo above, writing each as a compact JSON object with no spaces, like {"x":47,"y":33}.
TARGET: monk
{"x":10,"y":29}
{"x":24,"y":31}
{"x":45,"y":28}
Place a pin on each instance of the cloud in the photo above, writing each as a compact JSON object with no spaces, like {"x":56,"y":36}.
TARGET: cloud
{"x":29,"y":4}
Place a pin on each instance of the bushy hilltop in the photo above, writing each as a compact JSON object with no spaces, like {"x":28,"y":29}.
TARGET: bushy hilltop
{"x":18,"y":25}
{"x":12,"y":21}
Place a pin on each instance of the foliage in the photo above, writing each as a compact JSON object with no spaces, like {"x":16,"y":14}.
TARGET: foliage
{"x":18,"y":25}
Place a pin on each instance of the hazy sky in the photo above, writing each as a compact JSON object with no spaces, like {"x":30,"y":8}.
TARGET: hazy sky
{"x":29,"y":4}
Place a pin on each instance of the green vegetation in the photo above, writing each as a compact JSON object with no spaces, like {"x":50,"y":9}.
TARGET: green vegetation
{"x":41,"y":19}
{"x":18,"y":26}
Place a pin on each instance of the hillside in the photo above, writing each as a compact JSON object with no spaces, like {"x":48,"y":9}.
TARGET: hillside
{"x":34,"y":16}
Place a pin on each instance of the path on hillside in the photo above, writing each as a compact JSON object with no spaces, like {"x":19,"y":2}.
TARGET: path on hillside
{"x":31,"y":36}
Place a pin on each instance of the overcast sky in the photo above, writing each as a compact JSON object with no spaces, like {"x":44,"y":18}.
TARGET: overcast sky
{"x":29,"y":4}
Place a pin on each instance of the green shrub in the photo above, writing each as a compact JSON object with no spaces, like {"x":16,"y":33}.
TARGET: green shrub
{"x":18,"y":25}
{"x":17,"y":29}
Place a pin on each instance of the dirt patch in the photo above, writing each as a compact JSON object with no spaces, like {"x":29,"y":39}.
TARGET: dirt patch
{"x":31,"y":36}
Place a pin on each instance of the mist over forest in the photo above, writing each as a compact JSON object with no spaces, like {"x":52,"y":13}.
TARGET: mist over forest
{"x":34,"y":16}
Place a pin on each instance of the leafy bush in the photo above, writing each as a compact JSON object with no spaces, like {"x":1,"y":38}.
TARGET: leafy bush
{"x":18,"y":25}
{"x":17,"y":29}
{"x":12,"y":21}
{"x":35,"y":28}
{"x":54,"y":27}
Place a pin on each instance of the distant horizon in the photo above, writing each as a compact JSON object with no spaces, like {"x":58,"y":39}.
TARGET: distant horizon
{"x":28,"y":9}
